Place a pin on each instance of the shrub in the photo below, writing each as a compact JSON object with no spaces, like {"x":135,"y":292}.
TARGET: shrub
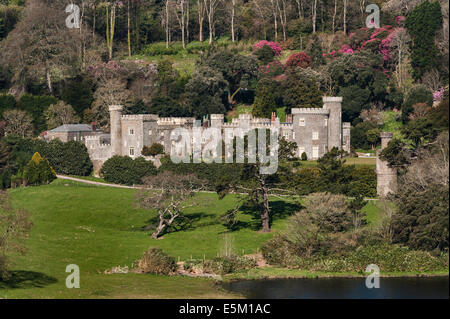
{"x":277,"y":251}
{"x":221,"y":265}
{"x":265,"y":54}
{"x":304,"y":156}
{"x":363,"y":182}
{"x":7,"y":102}
{"x":416,"y":95}
{"x":71,"y":158}
{"x":153,"y":150}
{"x":275,"y":46}
{"x":299,"y":60}
{"x":155,"y":261}
{"x":328,"y":211}
{"x":38,"y":171}
{"x":125,"y":170}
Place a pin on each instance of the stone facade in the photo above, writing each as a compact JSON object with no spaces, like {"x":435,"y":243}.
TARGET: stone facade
{"x":386,"y":176}
{"x":315,"y":130}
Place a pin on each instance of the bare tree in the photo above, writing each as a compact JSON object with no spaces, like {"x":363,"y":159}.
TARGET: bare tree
{"x":181,"y":10}
{"x":60,"y":114}
{"x":432,"y":80}
{"x":314,"y":15}
{"x":166,"y":20}
{"x":274,"y":6}
{"x":233,"y":12}
{"x":430,"y":168}
{"x":400,"y":45}
{"x":14,"y":227}
{"x":110,"y":26}
{"x":333,"y":28}
{"x":385,"y":224}
{"x":110,"y":92}
{"x":211,"y":7}
{"x":170,"y":195}
{"x":40,"y":48}
{"x":18,"y":122}
{"x":345,"y":16}
{"x":263,"y":12}
{"x":282,"y":10}
{"x":201,"y":18}
{"x":300,"y":8}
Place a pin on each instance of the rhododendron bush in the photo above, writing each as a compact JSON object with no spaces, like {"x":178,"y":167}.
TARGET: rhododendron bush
{"x":301,"y":60}
{"x":275,"y":46}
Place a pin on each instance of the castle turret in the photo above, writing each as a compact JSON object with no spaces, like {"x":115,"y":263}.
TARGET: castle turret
{"x":217,"y":120}
{"x":334,"y":105}
{"x":386,"y":176}
{"x":115,"y":113}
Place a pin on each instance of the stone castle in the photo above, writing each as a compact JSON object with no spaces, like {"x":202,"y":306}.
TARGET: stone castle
{"x":315,"y":130}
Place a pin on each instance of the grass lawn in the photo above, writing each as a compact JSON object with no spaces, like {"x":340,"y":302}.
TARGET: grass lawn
{"x":98,"y":228}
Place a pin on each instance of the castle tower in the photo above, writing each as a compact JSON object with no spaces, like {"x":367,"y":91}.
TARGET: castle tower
{"x":386,"y":176}
{"x":217,"y":120}
{"x":115,"y":113}
{"x":334,"y":105}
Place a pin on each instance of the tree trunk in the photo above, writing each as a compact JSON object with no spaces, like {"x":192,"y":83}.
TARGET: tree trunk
{"x":201,"y":18}
{"x":128,"y":26}
{"x":345,"y":16}
{"x":334,"y":16}
{"x":187,"y":21}
{"x":265,"y":207}
{"x":232,"y":20}
{"x":163,"y":224}
{"x":49,"y":81}
{"x":167,"y":24}
{"x":275,"y":19}
{"x":314,"y":15}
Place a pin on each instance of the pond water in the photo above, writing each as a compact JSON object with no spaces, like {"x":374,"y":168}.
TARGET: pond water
{"x":342,"y":288}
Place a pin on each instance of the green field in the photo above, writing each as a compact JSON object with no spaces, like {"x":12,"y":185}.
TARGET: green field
{"x":98,"y":228}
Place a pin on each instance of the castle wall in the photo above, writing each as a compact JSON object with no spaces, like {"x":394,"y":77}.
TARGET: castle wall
{"x":315,"y":130}
{"x":334,"y":105}
{"x":386,"y":176}
{"x":115,"y":113}
{"x":310,"y":130}
{"x":99,"y":153}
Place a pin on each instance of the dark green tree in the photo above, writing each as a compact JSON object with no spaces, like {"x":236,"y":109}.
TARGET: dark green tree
{"x":422,"y":24}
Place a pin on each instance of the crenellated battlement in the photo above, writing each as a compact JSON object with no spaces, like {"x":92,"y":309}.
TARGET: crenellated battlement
{"x":310,"y":111}
{"x":140,"y":117}
{"x":176,"y":120}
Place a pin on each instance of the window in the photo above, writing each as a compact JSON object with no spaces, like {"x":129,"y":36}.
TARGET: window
{"x":293,"y":135}
{"x":315,"y":152}
{"x":131,"y":131}
{"x":286,"y":134}
{"x":150,"y":132}
{"x":302,"y":122}
{"x":131,"y":151}
{"x":326,"y":122}
{"x":315,"y":136}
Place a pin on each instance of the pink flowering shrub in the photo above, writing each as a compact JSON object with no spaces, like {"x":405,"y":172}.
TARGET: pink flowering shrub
{"x":346,"y":49}
{"x":400,"y":19}
{"x":275,"y":46}
{"x":438,"y":95}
